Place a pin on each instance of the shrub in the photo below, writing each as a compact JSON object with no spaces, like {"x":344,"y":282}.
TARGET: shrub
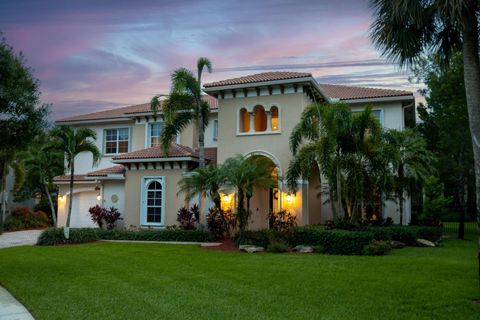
{"x":54,"y":236}
{"x":221,"y":223}
{"x":282,"y":220}
{"x":262,"y":238}
{"x":100,"y":215}
{"x":332,"y":241}
{"x":111,"y":216}
{"x":24,"y":218}
{"x":96,"y":213}
{"x":278,"y":247}
{"x":376,"y":248}
{"x":155,"y":235}
{"x":406,"y":234}
{"x":188,"y":217}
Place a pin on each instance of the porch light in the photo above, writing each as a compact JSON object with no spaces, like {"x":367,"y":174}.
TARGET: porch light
{"x":62,"y":198}
{"x":289,"y":198}
{"x":99,"y":197}
{"x":226,"y":202}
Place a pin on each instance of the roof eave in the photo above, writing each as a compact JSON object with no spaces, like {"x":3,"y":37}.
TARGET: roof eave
{"x":379,"y":99}
{"x":157,"y":159}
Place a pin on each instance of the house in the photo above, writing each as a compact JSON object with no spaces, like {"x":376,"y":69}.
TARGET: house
{"x":252,"y":115}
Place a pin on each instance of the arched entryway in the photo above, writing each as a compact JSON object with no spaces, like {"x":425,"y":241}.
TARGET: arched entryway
{"x":265,"y":200}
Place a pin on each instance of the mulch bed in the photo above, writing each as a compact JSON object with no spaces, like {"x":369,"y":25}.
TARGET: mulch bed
{"x":227,"y":245}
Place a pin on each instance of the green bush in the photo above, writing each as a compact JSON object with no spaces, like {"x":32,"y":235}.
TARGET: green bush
{"x":54,"y":236}
{"x":406,"y":234}
{"x":376,"y":248}
{"x":278,"y":247}
{"x":332,"y":241}
{"x":156,"y":235}
{"x":263,"y":238}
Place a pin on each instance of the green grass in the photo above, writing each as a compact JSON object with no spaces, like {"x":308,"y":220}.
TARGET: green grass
{"x":452,"y":227}
{"x":150,"y":281}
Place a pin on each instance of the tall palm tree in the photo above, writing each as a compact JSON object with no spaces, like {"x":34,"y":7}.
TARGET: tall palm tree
{"x":410,"y":161}
{"x":72,"y":142}
{"x":405,"y":30}
{"x":246,"y":174}
{"x":43,"y":163}
{"x":185,"y":106}
{"x":205,"y":181}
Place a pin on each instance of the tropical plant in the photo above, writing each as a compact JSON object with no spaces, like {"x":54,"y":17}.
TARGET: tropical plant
{"x":41,"y":164}
{"x":410,"y":162}
{"x":204,"y":181}
{"x":185,"y":106}
{"x":446,"y":108}
{"x":405,"y":30}
{"x":22,"y":115}
{"x":435,"y":204}
{"x":188,"y":217}
{"x":72,"y":142}
{"x":245,"y":174}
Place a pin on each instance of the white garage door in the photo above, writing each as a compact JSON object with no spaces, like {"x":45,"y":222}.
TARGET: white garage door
{"x":81,"y":203}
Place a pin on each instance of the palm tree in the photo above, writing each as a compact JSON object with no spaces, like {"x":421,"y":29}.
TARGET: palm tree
{"x":72,"y":142}
{"x":246,"y":174}
{"x":185,"y":106}
{"x":405,"y":30}
{"x":43,"y":163}
{"x":410,"y":160}
{"x":205,"y":181}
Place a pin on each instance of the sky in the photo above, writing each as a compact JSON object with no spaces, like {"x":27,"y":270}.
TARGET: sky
{"x":92,"y":55}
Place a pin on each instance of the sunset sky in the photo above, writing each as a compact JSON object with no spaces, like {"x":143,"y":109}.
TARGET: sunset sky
{"x":94,"y":55}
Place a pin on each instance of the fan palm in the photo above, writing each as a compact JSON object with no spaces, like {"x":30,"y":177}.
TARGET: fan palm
{"x":410,"y":160}
{"x":42,"y":163}
{"x":71,"y":142}
{"x":246,"y":174}
{"x":185,"y":106}
{"x":206,"y":181}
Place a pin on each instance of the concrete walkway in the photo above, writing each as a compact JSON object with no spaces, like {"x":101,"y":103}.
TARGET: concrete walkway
{"x":19,"y":238}
{"x":11,"y":309}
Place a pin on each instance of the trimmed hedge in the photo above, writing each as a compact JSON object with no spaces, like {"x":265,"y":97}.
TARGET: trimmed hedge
{"x":332,"y":241}
{"x":54,"y":236}
{"x":406,"y":234}
{"x":156,"y":235}
{"x":263,"y":238}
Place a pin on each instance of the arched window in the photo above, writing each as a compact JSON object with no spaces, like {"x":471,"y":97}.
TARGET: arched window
{"x":244,"y":120}
{"x":260,"y":118}
{"x":274,"y":118}
{"x":154,"y":202}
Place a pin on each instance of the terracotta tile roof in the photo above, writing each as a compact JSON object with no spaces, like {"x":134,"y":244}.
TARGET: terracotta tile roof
{"x":351,"y":93}
{"x":125,"y":112}
{"x":175,"y":151}
{"x":76,"y":177}
{"x":259,"y":77}
{"x":105,"y":172}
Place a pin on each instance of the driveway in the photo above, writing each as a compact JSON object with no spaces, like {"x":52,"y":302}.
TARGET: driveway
{"x":19,"y":238}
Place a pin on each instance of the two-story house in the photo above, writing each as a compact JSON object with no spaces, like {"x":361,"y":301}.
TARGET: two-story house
{"x":252,"y":115}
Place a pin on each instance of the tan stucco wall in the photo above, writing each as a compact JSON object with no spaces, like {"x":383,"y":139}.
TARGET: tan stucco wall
{"x":133,"y":191}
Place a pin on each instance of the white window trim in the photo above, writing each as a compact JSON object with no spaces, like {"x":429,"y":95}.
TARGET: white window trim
{"x":105,"y":140}
{"x":148,"y":135}
{"x":382,"y":114}
{"x":143,"y":201}
{"x":215,"y":125}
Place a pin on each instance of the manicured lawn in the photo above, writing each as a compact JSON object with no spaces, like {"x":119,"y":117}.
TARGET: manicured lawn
{"x":149,"y":281}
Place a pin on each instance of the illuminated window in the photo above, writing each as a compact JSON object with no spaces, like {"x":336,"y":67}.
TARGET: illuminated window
{"x":274,"y":118}
{"x":244,"y":120}
{"x":116,"y":140}
{"x":260,"y":118}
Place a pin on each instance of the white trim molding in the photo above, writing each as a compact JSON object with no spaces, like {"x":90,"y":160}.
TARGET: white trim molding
{"x":144,"y":197}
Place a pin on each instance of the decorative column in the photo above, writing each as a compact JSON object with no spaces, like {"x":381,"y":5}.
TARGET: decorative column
{"x":269,"y":120}
{"x":252,"y":122}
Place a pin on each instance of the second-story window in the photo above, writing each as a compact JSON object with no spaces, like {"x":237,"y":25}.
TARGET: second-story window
{"x":154,"y":132}
{"x":116,"y":140}
{"x":215,"y":130}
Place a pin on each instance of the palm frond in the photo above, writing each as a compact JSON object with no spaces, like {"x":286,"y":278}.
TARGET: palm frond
{"x":173,"y":127}
{"x":203,"y":63}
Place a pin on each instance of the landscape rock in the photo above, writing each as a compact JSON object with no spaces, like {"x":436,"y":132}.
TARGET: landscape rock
{"x":250,"y":248}
{"x":425,"y":243}
{"x":397,"y":244}
{"x":303,"y":249}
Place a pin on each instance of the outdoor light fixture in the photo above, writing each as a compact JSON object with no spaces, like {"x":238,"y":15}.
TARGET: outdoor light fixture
{"x":99,"y":197}
{"x":226,"y":198}
{"x":289,"y":198}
